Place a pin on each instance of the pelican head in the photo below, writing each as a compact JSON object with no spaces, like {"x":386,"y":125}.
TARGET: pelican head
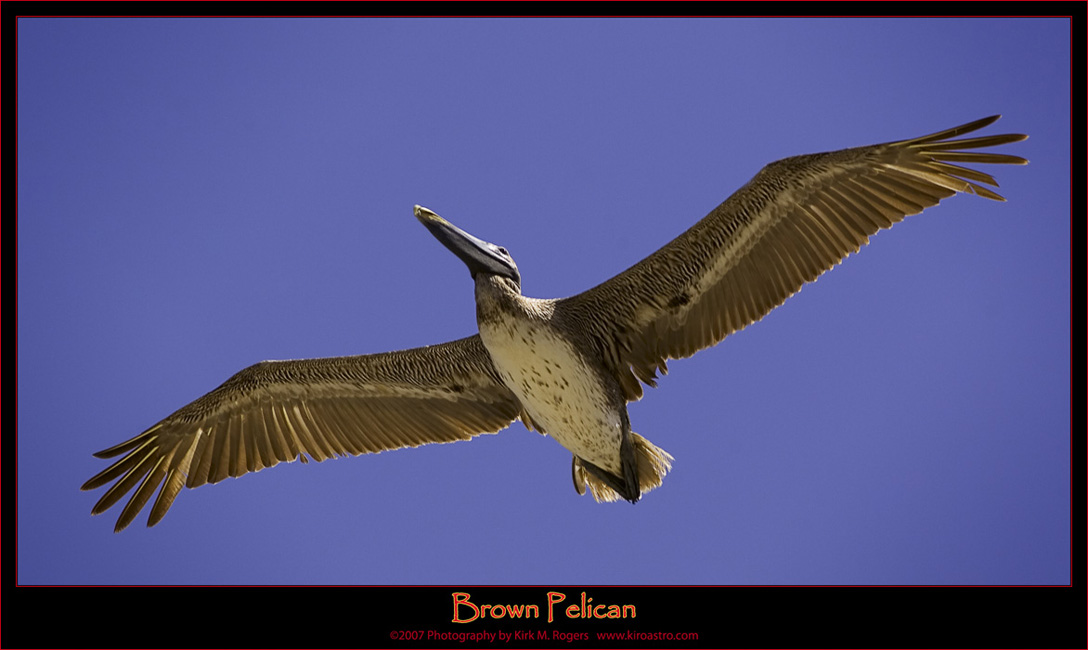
{"x":478,"y":255}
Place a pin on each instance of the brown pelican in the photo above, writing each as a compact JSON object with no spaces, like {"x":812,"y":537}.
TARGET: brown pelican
{"x":564,"y":367}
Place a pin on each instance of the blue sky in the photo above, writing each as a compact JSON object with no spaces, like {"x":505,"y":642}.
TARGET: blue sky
{"x":198,"y":195}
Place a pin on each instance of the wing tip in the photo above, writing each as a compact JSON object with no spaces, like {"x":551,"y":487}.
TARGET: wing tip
{"x":943,"y":137}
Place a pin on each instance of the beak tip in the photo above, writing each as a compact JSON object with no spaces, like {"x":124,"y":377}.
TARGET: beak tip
{"x":423,"y":214}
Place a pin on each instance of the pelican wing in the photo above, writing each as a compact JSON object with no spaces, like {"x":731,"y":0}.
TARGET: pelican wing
{"x":278,"y":411}
{"x":797,"y":218}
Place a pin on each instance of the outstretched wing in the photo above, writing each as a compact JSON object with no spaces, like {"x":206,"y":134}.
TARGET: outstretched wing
{"x":277,"y":411}
{"x":796,"y":219}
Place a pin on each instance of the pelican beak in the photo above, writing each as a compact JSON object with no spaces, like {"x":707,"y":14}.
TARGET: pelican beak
{"x":478,"y":255}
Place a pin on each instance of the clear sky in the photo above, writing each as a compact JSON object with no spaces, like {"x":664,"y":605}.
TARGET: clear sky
{"x":198,"y":195}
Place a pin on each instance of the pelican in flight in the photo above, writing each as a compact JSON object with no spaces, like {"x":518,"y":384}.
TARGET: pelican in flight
{"x":565,"y":367}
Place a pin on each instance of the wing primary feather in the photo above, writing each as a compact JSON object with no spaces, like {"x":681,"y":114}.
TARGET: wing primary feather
{"x":175,"y":479}
{"x":986,"y":193}
{"x":953,"y":132}
{"x":130,"y":444}
{"x":930,"y":148}
{"x":201,"y":464}
{"x":147,"y":487}
{"x":126,"y":483}
{"x":961,"y":172}
{"x":926,"y":175}
{"x":118,"y":468}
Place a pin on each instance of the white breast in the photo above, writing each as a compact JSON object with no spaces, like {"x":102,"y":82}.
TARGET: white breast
{"x":559,"y":391}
